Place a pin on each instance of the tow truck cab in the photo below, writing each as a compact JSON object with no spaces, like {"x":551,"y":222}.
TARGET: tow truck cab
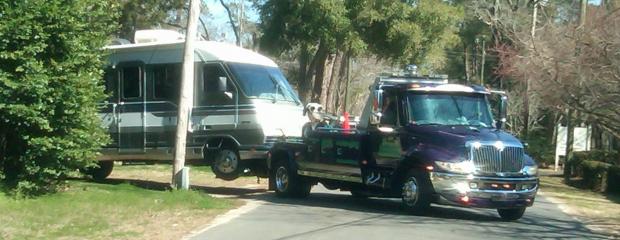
{"x":420,"y":139}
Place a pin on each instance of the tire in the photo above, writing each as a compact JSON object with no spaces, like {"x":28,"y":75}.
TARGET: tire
{"x":101,"y":172}
{"x":511,"y":214}
{"x":359,"y":194}
{"x":416,"y":192}
{"x":287,"y":183}
{"x":226,"y":165}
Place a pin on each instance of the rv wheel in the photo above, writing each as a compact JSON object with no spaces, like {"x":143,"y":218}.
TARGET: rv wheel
{"x":226,"y":165}
{"x":102,"y":172}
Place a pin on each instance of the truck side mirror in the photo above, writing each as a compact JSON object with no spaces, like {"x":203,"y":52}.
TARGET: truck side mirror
{"x":221,"y":84}
{"x":377,"y":107}
{"x":503,"y":111}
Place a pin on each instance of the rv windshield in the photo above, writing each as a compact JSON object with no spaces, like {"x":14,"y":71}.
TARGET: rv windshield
{"x":449,"y":109}
{"x":263,"y":82}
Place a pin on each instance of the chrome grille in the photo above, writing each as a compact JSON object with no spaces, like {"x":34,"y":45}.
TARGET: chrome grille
{"x":487,"y":158}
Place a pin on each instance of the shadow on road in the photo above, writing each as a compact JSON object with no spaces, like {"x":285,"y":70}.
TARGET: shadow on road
{"x":539,"y":223}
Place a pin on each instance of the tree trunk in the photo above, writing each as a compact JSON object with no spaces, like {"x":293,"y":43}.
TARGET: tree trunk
{"x":3,"y":152}
{"x":232,"y":22}
{"x":467,"y":67}
{"x":342,"y":84}
{"x":321,"y":58}
{"x":568,"y":157}
{"x":304,"y":84}
{"x":330,"y":84}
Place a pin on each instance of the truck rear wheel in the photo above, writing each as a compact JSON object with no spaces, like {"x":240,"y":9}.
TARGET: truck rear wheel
{"x":416,"y":192}
{"x":102,"y":172}
{"x":288,"y":183}
{"x":226,"y":165}
{"x":511,"y":214}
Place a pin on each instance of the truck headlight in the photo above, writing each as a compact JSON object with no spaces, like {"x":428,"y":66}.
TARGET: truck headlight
{"x":465,"y":167}
{"x":530,"y":170}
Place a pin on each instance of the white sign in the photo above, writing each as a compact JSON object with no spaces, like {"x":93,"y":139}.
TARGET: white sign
{"x":581,"y":142}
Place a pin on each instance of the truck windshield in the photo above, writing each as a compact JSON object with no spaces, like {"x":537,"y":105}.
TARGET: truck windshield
{"x":263,"y":82}
{"x":464,"y":109}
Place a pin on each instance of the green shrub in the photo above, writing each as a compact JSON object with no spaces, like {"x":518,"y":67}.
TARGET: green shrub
{"x":594,"y":174}
{"x":596,"y":155}
{"x":51,"y":62}
{"x":540,"y":149}
{"x":613,"y":179}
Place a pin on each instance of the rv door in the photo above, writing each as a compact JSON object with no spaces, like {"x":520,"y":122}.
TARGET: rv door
{"x":130,"y":108}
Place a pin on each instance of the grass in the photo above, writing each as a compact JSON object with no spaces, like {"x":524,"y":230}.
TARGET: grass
{"x":598,"y":211}
{"x":112,"y":210}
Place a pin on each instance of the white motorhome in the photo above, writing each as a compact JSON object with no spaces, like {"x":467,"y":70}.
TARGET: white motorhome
{"x":242,"y":103}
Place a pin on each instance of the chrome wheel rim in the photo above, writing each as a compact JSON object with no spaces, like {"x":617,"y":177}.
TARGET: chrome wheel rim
{"x":410,"y":192}
{"x":228,"y":162}
{"x":281,"y":179}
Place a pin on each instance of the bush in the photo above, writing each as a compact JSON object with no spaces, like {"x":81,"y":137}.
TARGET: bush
{"x":51,"y":62}
{"x":540,"y":149}
{"x":594,"y":174}
{"x":613,"y":179}
{"x":596,"y":155}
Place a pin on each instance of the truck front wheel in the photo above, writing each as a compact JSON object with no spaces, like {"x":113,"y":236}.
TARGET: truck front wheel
{"x":511,"y":214}
{"x":416,"y":192}
{"x":288,"y":183}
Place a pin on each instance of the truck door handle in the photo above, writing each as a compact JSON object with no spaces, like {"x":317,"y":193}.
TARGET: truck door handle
{"x":206,"y":127}
{"x":246,"y":122}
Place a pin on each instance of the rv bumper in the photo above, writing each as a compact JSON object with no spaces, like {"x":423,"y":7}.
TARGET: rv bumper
{"x":484,"y":192}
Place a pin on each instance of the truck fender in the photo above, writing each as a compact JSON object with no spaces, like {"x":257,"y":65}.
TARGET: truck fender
{"x":414,"y":158}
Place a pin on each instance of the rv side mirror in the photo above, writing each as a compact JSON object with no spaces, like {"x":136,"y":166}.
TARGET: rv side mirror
{"x":377,"y":107}
{"x":221,"y":85}
{"x":503,"y":109}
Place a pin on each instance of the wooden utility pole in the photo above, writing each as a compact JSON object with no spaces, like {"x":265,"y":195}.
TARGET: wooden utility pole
{"x":179,"y":178}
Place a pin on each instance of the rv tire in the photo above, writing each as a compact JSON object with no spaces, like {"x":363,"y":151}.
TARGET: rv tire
{"x":101,"y":172}
{"x":226,"y":165}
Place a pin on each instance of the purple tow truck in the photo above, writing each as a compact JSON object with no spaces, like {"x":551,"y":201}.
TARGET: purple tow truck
{"x":420,"y":139}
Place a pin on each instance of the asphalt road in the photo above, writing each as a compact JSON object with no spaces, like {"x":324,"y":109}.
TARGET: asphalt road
{"x":337,"y":215}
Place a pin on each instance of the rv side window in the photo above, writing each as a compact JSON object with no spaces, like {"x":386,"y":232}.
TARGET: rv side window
{"x":131,"y":82}
{"x":211,"y":86}
{"x":166,"y":82}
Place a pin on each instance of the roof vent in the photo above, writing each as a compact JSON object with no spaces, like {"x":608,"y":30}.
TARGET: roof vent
{"x":157,"y":35}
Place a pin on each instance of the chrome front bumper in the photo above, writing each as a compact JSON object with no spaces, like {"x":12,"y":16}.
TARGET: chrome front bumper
{"x":484,"y":192}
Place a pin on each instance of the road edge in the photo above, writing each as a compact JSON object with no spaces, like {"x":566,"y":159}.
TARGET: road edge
{"x":565,"y":208}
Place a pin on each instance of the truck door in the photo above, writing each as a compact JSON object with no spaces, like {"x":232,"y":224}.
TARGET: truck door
{"x":130,"y":108}
{"x":386,"y":137}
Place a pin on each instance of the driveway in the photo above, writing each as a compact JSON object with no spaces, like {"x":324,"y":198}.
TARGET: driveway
{"x":337,"y":215}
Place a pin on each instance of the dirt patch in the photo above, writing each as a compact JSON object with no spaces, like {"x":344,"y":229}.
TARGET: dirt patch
{"x":175,"y":225}
{"x":200,"y":176}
